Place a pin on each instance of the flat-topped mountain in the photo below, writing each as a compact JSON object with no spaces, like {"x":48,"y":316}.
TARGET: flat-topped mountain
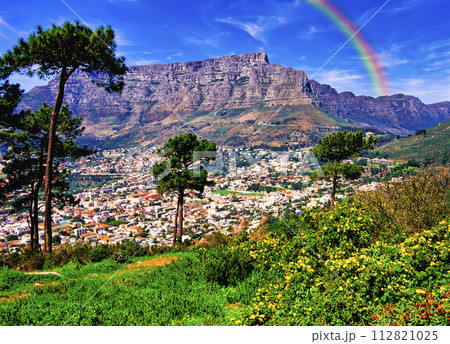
{"x":233,"y":99}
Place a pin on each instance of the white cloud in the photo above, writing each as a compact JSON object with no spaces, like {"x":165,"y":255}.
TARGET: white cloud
{"x":389,"y":60}
{"x":141,"y":62}
{"x":26,"y":82}
{"x":121,"y":39}
{"x":336,"y":75}
{"x":258,"y":28}
{"x":5,"y":25}
{"x":170,"y":57}
{"x":344,"y":80}
{"x":428,"y":90}
{"x":201,"y":41}
{"x":311,"y":32}
{"x":438,"y":65}
{"x":395,"y":7}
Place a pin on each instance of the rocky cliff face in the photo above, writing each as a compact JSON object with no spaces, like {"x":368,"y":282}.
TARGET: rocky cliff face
{"x":398,"y":113}
{"x":232,"y":99}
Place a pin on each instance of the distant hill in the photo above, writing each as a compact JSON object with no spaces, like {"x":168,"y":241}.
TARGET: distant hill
{"x":432,"y":145}
{"x":233,"y":100}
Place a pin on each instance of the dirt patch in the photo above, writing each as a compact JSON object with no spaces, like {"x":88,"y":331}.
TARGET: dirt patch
{"x":37,"y":284}
{"x":14,"y":297}
{"x":152,"y":262}
{"x":234,"y":306}
{"x":43,"y":273}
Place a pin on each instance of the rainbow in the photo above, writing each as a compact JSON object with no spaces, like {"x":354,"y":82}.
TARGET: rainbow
{"x":368,"y":55}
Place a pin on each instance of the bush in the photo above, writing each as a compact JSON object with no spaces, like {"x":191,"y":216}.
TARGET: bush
{"x":98,"y":253}
{"x":410,"y":206}
{"x":226,"y":265}
{"x":126,"y":250}
{"x":347,"y":227}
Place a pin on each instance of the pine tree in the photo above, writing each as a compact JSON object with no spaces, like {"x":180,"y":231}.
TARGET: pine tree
{"x":24,"y":161}
{"x":335,"y":148}
{"x":176,"y":173}
{"x":60,"y":51}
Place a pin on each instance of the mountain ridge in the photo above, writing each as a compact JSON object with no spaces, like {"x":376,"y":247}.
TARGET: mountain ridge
{"x":229,"y":99}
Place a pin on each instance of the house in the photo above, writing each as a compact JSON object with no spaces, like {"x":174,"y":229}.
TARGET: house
{"x":3,"y":247}
{"x":26,"y":238}
{"x":88,"y":236}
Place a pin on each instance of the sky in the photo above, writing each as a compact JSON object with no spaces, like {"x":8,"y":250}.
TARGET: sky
{"x":410,"y":38}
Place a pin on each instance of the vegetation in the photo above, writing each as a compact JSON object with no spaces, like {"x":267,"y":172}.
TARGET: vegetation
{"x":335,"y":148}
{"x":24,"y":161}
{"x":175,"y":173}
{"x":411,"y":206}
{"x":61,"y":51}
{"x":227,"y":192}
{"x":322,"y":267}
{"x":429,"y":147}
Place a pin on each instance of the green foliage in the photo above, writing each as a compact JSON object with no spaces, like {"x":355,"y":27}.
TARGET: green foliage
{"x":11,"y":237}
{"x":115,"y":223}
{"x":119,"y":301}
{"x":411,"y":206}
{"x":9,"y":278}
{"x":176,"y":173}
{"x":342,"y":145}
{"x":126,"y":250}
{"x":345,"y":227}
{"x":71,"y":46}
{"x":62,"y":50}
{"x":56,"y":239}
{"x":313,"y":279}
{"x":226,"y":265}
{"x":432,"y":148}
{"x":335,"y":148}
{"x":259,"y":187}
{"x":322,"y":267}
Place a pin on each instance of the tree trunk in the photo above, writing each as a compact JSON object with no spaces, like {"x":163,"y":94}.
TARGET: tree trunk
{"x":35,"y":218}
{"x":180,"y":214}
{"x":176,"y":222}
{"x":30,"y":216}
{"x":35,"y":200}
{"x":49,"y":164}
{"x":333,"y":191}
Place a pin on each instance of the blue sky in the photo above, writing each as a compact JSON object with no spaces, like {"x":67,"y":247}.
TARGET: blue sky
{"x":411,"y":37}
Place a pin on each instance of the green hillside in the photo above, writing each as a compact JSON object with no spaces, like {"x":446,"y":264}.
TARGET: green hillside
{"x":432,"y":146}
{"x":322,"y":267}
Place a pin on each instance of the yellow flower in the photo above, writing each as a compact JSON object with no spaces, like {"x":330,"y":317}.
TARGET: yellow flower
{"x":420,"y":291}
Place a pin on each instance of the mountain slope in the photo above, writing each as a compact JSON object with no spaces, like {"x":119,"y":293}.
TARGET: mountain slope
{"x":433,"y":147}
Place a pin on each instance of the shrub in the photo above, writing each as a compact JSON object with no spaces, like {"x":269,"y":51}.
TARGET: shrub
{"x":347,"y":227}
{"x":226,"y":265}
{"x":125,"y":250}
{"x":98,"y":253}
{"x":415,"y":204}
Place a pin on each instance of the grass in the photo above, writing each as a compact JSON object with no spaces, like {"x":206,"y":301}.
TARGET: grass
{"x":162,"y":290}
{"x":227,"y":192}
